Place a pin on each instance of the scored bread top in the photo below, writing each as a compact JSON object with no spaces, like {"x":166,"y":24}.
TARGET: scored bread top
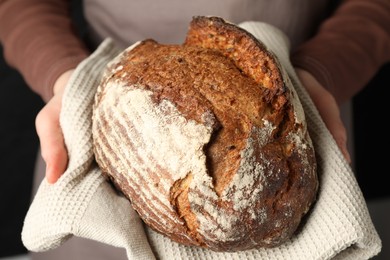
{"x":204,"y":139}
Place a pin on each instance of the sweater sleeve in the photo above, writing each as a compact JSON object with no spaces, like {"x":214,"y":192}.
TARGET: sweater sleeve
{"x":349,"y":47}
{"x":40,"y":41}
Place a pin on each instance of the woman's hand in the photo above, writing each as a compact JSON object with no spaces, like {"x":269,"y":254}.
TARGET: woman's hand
{"x":49,"y":131}
{"x":328,"y":109}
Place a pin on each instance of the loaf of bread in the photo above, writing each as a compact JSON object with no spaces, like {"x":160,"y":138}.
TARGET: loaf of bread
{"x":207,"y":139}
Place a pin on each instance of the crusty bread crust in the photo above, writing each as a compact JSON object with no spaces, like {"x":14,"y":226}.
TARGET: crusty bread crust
{"x":207,"y":139}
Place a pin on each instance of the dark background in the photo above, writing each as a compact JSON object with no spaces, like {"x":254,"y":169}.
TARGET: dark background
{"x":372,"y":136}
{"x":19,"y":143}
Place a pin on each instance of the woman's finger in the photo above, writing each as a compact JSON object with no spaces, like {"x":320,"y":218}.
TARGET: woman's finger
{"x":328,"y":109}
{"x":51,"y":139}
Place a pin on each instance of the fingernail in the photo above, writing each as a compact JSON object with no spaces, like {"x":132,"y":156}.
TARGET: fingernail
{"x":48,"y":173}
{"x":347,"y":155}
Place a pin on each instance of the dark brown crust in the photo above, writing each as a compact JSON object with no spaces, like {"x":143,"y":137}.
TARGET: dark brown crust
{"x":249,"y":54}
{"x":224,"y":71}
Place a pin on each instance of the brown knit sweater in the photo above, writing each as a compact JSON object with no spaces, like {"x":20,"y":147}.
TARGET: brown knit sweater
{"x":347,"y":49}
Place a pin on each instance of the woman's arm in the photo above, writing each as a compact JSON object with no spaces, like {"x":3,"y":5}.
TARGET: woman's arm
{"x":349,"y":47}
{"x":40,"y":41}
{"x":347,"y":51}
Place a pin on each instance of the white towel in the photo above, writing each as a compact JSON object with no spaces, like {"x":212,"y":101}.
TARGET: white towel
{"x":82,"y":203}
